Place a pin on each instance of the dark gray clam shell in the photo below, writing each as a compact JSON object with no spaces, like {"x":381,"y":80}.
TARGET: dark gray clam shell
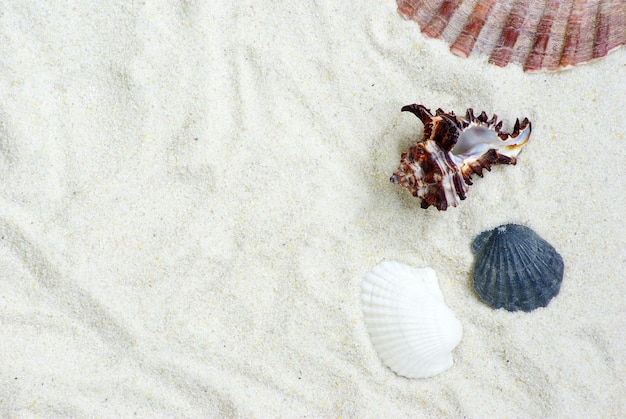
{"x":516,"y":269}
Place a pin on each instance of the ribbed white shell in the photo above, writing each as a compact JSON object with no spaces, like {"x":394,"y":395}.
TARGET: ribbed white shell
{"x":410,"y":326}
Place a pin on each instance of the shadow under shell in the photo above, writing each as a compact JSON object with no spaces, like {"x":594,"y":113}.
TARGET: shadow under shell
{"x":516,"y":269}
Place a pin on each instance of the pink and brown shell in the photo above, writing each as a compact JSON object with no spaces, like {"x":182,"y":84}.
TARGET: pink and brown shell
{"x":542,"y":35}
{"x":439,"y":168}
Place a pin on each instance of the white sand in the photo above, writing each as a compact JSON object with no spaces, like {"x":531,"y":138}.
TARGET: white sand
{"x":190,"y":196}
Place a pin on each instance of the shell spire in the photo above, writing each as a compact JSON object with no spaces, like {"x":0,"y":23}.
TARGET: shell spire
{"x":439,"y":168}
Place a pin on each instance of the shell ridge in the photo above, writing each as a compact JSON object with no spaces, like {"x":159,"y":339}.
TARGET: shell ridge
{"x":538,"y":50}
{"x":602,"y":34}
{"x":504,"y":50}
{"x":537,"y":268}
{"x":465,"y":42}
{"x":430,"y":352}
{"x":552,"y":265}
{"x":479,"y":241}
{"x":435,"y":27}
{"x":523,"y":253}
{"x":482,"y":267}
{"x":394,"y":276}
{"x":427,"y":339}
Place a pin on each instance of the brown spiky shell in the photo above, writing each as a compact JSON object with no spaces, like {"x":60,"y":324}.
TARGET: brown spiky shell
{"x":439,"y":168}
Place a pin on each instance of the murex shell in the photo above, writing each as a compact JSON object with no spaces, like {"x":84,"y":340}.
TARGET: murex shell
{"x":411,"y":328}
{"x":516,"y":269}
{"x":542,"y":35}
{"x":438,"y":169}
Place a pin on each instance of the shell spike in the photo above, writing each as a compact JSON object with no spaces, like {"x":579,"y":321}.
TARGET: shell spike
{"x":470,"y":115}
{"x":483,"y":117}
{"x":420,"y":111}
{"x":526,"y":124}
{"x":523,"y":133}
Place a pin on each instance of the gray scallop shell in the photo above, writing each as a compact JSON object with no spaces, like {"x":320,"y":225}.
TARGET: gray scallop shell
{"x":516,"y":269}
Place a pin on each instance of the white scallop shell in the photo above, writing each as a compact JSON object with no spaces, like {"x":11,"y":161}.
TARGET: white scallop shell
{"x":411,"y":328}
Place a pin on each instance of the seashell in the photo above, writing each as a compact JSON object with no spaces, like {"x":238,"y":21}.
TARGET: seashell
{"x":411,"y":328}
{"x":438,"y":169}
{"x":542,"y":35}
{"x":516,"y":269}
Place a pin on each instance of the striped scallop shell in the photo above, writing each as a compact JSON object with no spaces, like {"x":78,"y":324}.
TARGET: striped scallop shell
{"x":411,"y":328}
{"x":542,"y":35}
{"x":516,"y":269}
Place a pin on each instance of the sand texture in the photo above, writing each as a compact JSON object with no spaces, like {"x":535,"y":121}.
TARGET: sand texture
{"x":191,"y":193}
